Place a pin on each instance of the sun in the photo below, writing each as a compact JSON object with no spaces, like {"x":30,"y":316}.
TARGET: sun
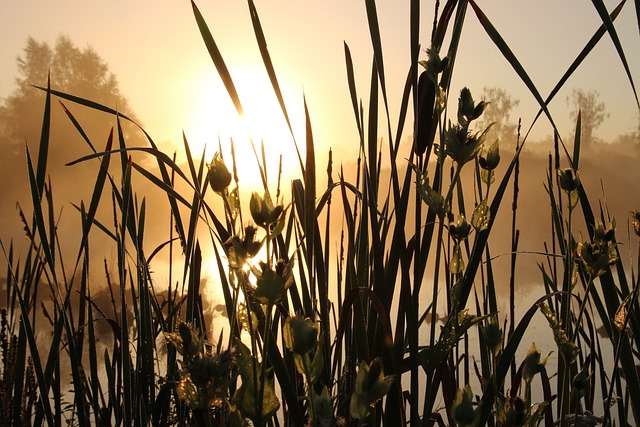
{"x":214,"y":121}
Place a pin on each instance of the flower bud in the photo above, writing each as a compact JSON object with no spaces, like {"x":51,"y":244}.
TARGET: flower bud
{"x":219,"y":176}
{"x":300,"y":334}
{"x":569,"y":179}
{"x":462,"y":410}
{"x":262,"y":210}
{"x":490,"y":159}
{"x":492,"y":335}
{"x":468,"y":110}
{"x":635,"y":222}
{"x":460,"y":230}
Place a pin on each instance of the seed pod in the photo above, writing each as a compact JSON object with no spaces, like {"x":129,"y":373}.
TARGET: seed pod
{"x":219,"y":176}
{"x":636,"y":222}
{"x":569,"y":179}
{"x":424,"y":120}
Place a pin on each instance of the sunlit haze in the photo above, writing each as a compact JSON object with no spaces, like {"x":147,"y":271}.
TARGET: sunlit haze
{"x":163,"y":68}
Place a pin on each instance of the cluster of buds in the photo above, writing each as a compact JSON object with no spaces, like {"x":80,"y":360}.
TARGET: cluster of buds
{"x":272,"y":285}
{"x":462,"y":410}
{"x":532,"y":364}
{"x":263,"y":211}
{"x":567,"y":349}
{"x":596,"y":256}
{"x":489,"y":161}
{"x":635,"y":222}
{"x":300,"y":336}
{"x":240,"y":250}
{"x":371,"y":386}
{"x":219,"y":176}
{"x":459,"y":143}
{"x":206,"y":376}
{"x":569,"y":179}
{"x":492,"y":336}
{"x":458,"y":232}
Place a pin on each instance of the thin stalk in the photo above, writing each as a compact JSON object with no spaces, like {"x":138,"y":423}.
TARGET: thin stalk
{"x":267,"y":333}
{"x":312,"y":396}
{"x":414,"y":315}
{"x":564,"y":368}
{"x":583,"y":305}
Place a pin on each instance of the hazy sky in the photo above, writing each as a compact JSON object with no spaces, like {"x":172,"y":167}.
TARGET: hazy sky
{"x":158,"y":56}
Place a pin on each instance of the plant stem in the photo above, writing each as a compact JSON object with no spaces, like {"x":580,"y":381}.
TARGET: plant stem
{"x":267,"y":330}
{"x":312,"y":403}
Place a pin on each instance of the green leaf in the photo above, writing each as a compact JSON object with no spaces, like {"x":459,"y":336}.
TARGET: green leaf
{"x":270,"y":289}
{"x":456,"y":265}
{"x":481,"y":216}
{"x":244,"y":397}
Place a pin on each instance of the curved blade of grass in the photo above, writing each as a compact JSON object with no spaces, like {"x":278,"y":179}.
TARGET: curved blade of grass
{"x":194,"y":214}
{"x":593,"y":41}
{"x":452,"y":52}
{"x":268,"y":64}
{"x":161,"y":184}
{"x":187,"y":151}
{"x":310,"y":199}
{"x":159,"y":155}
{"x":638,"y":13}
{"x":96,"y":196}
{"x":606,"y":19}
{"x":372,"y":134}
{"x":352,"y":89}
{"x":165,"y":176}
{"x":218,"y":61}
{"x":442,"y":25}
{"x":125,"y":365}
{"x":39,"y":224}
{"x":78,"y":126}
{"x":500,"y":43}
{"x":87,"y":103}
{"x":374,"y":30}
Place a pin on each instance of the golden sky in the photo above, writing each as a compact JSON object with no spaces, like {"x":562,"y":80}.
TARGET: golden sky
{"x":158,"y":56}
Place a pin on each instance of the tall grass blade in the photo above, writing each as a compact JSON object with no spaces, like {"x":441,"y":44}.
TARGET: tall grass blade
{"x":43,"y":150}
{"x":376,"y":42}
{"x":310,"y":201}
{"x":78,"y":127}
{"x":352,"y":89}
{"x":88,"y":103}
{"x":39,"y":223}
{"x":500,"y":43}
{"x":125,"y":363}
{"x":218,"y":61}
{"x":576,"y":62}
{"x":96,"y":196}
{"x":268,"y":64}
{"x":604,"y":16}
{"x":372,"y":140}
{"x":576,"y":143}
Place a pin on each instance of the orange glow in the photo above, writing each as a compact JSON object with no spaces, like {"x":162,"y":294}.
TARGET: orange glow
{"x":214,"y":118}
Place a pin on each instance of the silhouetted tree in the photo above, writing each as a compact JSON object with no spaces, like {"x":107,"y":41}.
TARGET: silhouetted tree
{"x":591,"y":109}
{"x":80,"y":72}
{"x":498,"y":112}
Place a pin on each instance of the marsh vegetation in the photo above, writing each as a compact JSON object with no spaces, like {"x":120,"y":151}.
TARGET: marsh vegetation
{"x":393,"y":320}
